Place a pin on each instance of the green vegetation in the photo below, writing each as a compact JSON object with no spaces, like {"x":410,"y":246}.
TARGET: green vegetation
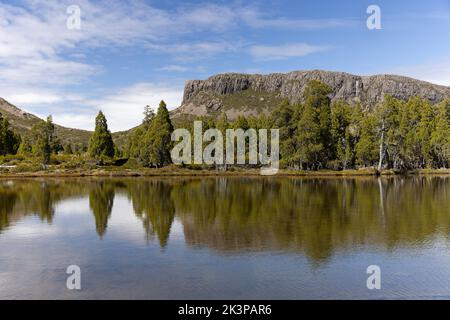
{"x":315,"y":135}
{"x":397,"y":135}
{"x":101,"y":145}
{"x":9,"y":141}
{"x":151,"y":143}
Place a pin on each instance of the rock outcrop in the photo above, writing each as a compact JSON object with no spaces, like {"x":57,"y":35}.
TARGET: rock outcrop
{"x":203,"y":97}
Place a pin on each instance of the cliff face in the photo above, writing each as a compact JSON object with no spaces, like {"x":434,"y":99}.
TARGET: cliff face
{"x":251,"y":94}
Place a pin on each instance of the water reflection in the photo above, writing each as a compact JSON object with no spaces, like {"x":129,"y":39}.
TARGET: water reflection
{"x":313,"y":216}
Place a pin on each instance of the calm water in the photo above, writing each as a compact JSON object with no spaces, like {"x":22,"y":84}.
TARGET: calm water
{"x":230,"y":238}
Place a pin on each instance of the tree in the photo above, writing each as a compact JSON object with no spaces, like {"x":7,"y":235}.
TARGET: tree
{"x":285,"y":118}
{"x":387,"y":116}
{"x":340,"y":132}
{"x":133,"y":147}
{"x":157,"y":140}
{"x":149,"y":115}
{"x":425,"y":129}
{"x":366,"y":150}
{"x":101,"y":144}
{"x":440,"y":137}
{"x":9,"y":141}
{"x":26,"y":145}
{"x":410,"y":144}
{"x":43,"y":136}
{"x":313,"y":130}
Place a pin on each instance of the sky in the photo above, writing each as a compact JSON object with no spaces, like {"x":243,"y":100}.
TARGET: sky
{"x":130,"y":53}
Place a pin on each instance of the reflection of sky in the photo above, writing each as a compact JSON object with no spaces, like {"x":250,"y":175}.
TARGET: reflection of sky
{"x":35,"y":254}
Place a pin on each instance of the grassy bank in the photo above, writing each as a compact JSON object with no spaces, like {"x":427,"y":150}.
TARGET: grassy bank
{"x":109,"y":171}
{"x":79,"y":166}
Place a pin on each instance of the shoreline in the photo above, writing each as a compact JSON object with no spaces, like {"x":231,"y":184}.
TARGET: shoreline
{"x":177,"y":172}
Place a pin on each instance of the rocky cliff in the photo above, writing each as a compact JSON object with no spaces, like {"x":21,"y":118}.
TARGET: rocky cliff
{"x":250,"y":94}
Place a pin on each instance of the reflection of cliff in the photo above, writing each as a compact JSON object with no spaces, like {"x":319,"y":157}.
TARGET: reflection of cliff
{"x":152,"y":204}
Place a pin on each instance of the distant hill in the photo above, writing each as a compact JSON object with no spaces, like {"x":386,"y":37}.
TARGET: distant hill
{"x":22,"y":122}
{"x":251,"y":94}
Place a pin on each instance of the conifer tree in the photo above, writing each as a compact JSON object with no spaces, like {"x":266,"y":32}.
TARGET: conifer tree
{"x":9,"y":141}
{"x":440,"y":137}
{"x":101,"y":144}
{"x":340,"y":132}
{"x":43,"y":136}
{"x":313,"y":129}
{"x":157,"y":141}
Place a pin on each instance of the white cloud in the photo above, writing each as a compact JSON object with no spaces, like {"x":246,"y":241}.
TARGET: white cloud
{"x":285,"y":51}
{"x":33,"y":98}
{"x":217,"y":17}
{"x":257,"y":19}
{"x":40,"y":59}
{"x":195,"y":50}
{"x":123,"y":109}
{"x":437,"y":72}
{"x":174,"y":68}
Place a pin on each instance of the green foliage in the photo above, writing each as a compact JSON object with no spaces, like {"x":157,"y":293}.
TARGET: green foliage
{"x":366,"y":151}
{"x":26,"y":145}
{"x":440,"y":138}
{"x":42,"y":136}
{"x":101,"y":145}
{"x":9,"y":140}
{"x":151,"y":143}
{"x":313,"y":137}
{"x":68,"y":149}
{"x":402,"y":135}
{"x":343,"y":140}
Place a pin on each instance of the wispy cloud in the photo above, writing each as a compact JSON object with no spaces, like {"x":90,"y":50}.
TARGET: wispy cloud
{"x":437,"y":72}
{"x":41,"y":60}
{"x":174,"y":68}
{"x":125,"y":108}
{"x":179,"y":68}
{"x":258,"y":19}
{"x":285,"y":51}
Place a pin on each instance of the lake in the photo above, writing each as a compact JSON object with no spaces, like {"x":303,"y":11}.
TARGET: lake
{"x":225,"y":237}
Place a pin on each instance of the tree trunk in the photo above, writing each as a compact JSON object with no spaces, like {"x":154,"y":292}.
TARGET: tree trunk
{"x":382,"y":151}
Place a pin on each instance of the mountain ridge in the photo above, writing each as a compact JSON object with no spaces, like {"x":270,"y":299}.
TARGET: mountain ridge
{"x":222,"y":91}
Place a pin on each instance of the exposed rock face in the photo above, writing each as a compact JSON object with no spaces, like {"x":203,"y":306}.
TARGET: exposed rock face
{"x":6,"y":107}
{"x":22,"y":122}
{"x":203,"y":97}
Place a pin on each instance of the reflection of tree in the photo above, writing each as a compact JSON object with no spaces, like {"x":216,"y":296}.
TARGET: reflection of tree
{"x":152,"y":203}
{"x":101,"y":200}
{"x":316,"y":216}
{"x":7,"y":202}
{"x":19,"y":198}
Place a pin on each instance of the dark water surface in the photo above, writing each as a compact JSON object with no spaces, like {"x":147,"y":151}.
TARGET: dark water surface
{"x":225,"y":238}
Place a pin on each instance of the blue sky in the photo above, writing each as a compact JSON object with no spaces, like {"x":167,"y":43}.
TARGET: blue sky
{"x":130,"y":53}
